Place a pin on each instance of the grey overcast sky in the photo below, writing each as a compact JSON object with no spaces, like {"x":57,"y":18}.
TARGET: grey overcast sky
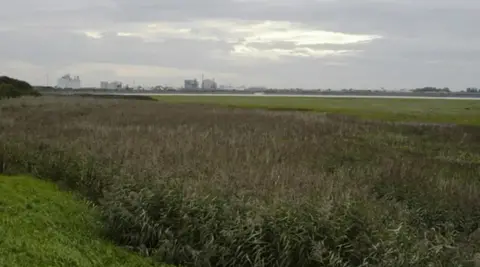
{"x":275,"y":43}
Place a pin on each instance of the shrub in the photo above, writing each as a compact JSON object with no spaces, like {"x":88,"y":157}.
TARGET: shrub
{"x":12,"y":88}
{"x":9,"y":91}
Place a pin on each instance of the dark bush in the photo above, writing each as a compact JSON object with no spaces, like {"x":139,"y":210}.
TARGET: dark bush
{"x":12,"y":88}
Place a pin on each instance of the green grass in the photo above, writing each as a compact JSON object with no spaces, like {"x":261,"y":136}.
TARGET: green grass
{"x":42,"y":226}
{"x":466,"y":112}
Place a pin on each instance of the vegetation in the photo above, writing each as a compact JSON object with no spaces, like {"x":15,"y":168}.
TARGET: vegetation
{"x":11,"y":88}
{"x":201,"y":185}
{"x":431,"y":89}
{"x":41,"y":226}
{"x":412,"y":110}
{"x":111,"y":96}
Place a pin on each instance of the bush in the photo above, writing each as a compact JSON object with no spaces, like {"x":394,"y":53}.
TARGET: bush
{"x":9,"y":91}
{"x":12,"y":88}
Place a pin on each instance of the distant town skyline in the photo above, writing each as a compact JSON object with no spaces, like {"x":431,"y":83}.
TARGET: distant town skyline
{"x":74,"y":82}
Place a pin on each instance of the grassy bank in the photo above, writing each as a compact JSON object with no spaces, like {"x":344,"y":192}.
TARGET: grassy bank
{"x":201,"y":185}
{"x":412,"y":110}
{"x":41,"y":226}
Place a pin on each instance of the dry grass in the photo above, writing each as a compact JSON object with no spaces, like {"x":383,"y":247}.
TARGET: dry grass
{"x":208,"y":186}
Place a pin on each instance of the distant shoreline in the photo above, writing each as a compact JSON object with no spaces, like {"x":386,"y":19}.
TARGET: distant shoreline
{"x":356,"y":94}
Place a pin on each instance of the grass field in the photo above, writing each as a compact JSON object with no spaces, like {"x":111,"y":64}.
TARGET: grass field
{"x":41,"y":226}
{"x":412,"y":110}
{"x":203,"y":185}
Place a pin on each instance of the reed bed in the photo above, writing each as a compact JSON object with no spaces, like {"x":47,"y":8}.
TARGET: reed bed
{"x":197,"y":185}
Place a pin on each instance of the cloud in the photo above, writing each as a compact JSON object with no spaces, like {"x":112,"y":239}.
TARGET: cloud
{"x":244,"y":35}
{"x":93,"y":34}
{"x":277,"y":53}
{"x":281,"y":43}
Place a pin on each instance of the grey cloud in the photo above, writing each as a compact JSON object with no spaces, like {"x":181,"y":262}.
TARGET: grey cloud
{"x":67,"y":48}
{"x":281,"y":45}
{"x":425,"y":42}
{"x":405,"y":17}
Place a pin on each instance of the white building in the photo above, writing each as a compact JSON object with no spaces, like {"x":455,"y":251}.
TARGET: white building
{"x":111,"y":85}
{"x":103,"y":85}
{"x":67,"y":81}
{"x":208,"y":84}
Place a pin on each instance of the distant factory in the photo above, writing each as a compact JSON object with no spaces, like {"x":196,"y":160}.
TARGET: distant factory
{"x":206,"y":84}
{"x":111,"y":85}
{"x":69,"y":82}
{"x":191,"y":84}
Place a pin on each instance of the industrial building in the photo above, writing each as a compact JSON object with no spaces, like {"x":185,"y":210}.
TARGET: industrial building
{"x":111,"y":85}
{"x":208,"y":84}
{"x":191,"y":84}
{"x":67,"y":81}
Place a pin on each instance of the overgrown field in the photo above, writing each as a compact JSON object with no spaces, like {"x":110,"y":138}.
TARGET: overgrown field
{"x":459,"y":111}
{"x":200,"y":185}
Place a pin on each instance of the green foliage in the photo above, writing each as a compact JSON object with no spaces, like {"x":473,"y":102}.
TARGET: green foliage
{"x":41,"y":226}
{"x":21,"y":85}
{"x":206,"y":186}
{"x":9,"y":91}
{"x":12,"y":88}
